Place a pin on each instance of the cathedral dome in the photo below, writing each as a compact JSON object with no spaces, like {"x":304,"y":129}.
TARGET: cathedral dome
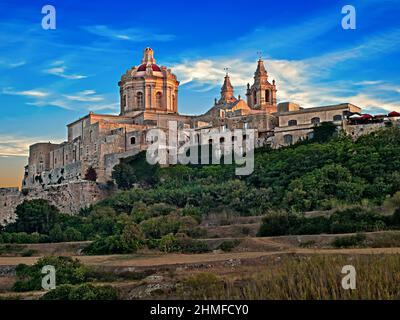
{"x":153,"y":66}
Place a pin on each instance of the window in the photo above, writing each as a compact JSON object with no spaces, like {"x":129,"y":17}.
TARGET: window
{"x":245,"y":125}
{"x":133,"y":140}
{"x":222,"y":140}
{"x":288,"y":139}
{"x":173,"y":102}
{"x":124,"y":101}
{"x":292,"y":123}
{"x":158,"y":99}
{"x":255,"y":97}
{"x":315,"y":120}
{"x":337,"y":118}
{"x":139,"y":99}
{"x":267,"y":96}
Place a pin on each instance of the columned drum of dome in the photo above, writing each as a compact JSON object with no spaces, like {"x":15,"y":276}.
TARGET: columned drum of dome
{"x":148,"y":87}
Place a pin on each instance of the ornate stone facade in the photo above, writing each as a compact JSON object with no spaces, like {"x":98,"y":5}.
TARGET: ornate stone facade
{"x":149,"y":99}
{"x":148,"y":87}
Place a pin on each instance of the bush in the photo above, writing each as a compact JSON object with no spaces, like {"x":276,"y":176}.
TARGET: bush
{"x":274,"y":224}
{"x":21,"y":237}
{"x":349,"y":241}
{"x":229,"y":245}
{"x":82,"y":292}
{"x":200,"y":286}
{"x":112,"y":245}
{"x":34,"y":216}
{"x":356,"y":219}
{"x":161,"y":226}
{"x":68,"y":271}
{"x":28,"y":252}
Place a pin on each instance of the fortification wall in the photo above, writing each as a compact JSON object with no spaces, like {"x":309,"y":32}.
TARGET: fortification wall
{"x":68,"y":198}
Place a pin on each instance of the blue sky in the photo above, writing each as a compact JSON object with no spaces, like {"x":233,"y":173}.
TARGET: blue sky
{"x":52,"y":77}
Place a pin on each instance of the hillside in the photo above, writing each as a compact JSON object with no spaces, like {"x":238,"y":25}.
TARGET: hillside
{"x":304,"y":177}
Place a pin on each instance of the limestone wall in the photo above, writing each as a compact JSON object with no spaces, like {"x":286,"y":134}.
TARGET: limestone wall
{"x":68,"y":198}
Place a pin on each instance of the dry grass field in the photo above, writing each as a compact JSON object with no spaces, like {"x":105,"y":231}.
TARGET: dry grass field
{"x":258,"y":268}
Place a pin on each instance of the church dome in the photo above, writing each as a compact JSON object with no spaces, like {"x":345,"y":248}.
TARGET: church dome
{"x":153,"y":66}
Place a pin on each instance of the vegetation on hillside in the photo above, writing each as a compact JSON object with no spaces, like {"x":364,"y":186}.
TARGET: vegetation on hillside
{"x":162,"y":207}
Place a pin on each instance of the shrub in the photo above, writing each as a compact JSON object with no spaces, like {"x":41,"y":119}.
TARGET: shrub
{"x":82,"y":292}
{"x":68,"y":271}
{"x":200,"y":286}
{"x":35,"y":216}
{"x":129,"y":241}
{"x":274,"y":224}
{"x":161,"y":226}
{"x":71,"y":234}
{"x":229,"y":245}
{"x":349,"y":241}
{"x":28,"y":252}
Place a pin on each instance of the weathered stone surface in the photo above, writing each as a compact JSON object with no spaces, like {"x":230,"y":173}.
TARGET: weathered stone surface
{"x":68,"y":198}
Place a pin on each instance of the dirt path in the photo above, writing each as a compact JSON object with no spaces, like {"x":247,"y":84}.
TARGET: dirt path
{"x":180,"y":259}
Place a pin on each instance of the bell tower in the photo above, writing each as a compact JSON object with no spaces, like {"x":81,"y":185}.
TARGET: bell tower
{"x":262,"y":94}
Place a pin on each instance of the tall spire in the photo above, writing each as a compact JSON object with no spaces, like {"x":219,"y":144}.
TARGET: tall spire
{"x":227,"y":91}
{"x":261,"y":71}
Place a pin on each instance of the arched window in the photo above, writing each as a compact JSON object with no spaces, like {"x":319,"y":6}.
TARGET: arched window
{"x":267,"y":96}
{"x":173,"y":102}
{"x":292,"y":123}
{"x":288,"y":139}
{"x":158,"y":99}
{"x":337,"y":118}
{"x":255,"y":97}
{"x":139,"y":99}
{"x":133,"y":140}
{"x":315,"y":120}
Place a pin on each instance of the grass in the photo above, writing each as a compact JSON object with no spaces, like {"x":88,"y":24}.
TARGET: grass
{"x":301,"y":277}
{"x":386,"y":240}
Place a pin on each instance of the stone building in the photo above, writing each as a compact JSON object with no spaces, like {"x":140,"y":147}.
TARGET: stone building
{"x":296,"y":123}
{"x":148,"y":100}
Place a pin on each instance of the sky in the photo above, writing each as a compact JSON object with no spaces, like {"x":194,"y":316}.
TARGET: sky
{"x":49,"y":78}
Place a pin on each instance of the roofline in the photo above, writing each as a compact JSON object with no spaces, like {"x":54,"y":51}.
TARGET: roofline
{"x":314,"y":109}
{"x":97,"y":115}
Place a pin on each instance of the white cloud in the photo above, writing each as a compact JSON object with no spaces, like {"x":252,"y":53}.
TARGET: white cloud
{"x":59,"y":71}
{"x":12,"y":64}
{"x":85,"y":96}
{"x":130,"y":34}
{"x":27,"y":93}
{"x":18,"y":145}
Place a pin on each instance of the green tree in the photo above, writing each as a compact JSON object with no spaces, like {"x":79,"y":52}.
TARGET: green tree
{"x":35,"y":216}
